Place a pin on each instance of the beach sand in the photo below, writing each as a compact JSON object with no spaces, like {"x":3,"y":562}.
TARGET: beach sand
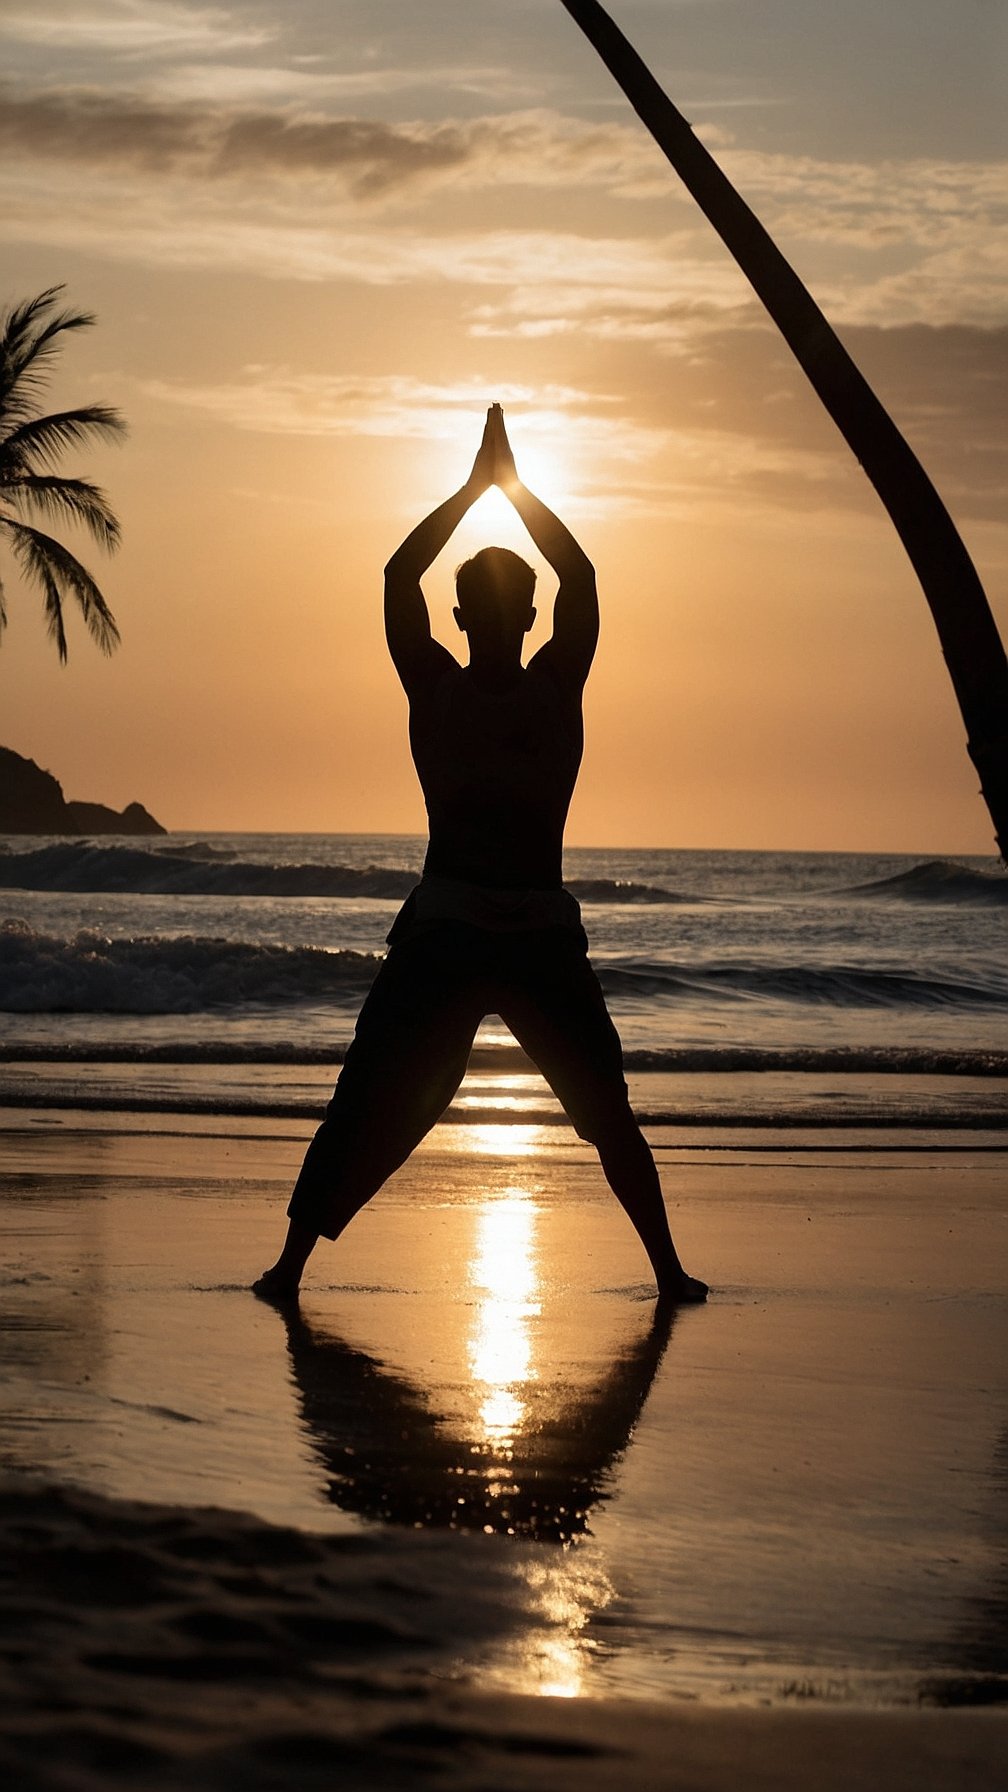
{"x":472,"y":1518}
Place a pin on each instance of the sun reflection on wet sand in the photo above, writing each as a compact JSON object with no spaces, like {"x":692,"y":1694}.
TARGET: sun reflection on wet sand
{"x":505,"y":1274}
{"x":494,"y":1138}
{"x":503,"y":1270}
{"x":511,"y":1096}
{"x":565,"y":1595}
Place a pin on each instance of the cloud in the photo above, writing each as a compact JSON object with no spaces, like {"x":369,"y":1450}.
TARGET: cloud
{"x":368,"y":158}
{"x":85,"y":127}
{"x":963,"y":283}
{"x":607,"y":457}
{"x":920,"y":202}
{"x":917,"y":241}
{"x":291,"y":196}
{"x":623,"y":461}
{"x":286,"y":401}
{"x":171,"y":221}
{"x":302,"y":84}
{"x":736,"y":426}
{"x":132,"y":28}
{"x":945,"y":386}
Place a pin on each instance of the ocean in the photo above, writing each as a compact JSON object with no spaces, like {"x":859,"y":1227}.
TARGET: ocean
{"x":222,"y":973}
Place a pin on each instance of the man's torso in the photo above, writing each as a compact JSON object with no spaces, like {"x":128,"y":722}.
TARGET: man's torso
{"x":497,"y":768}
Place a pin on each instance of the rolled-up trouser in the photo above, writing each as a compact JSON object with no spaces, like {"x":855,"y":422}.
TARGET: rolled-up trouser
{"x":412,"y":1043}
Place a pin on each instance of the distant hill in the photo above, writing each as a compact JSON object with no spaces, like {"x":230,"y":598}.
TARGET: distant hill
{"x":32,"y":802}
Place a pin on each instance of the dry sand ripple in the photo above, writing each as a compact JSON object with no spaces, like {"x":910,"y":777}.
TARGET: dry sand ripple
{"x":155,"y":1647}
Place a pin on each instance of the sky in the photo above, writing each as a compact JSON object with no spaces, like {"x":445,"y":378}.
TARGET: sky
{"x":320,"y":238}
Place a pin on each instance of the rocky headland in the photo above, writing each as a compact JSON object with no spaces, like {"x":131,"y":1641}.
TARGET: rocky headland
{"x":32,"y":802}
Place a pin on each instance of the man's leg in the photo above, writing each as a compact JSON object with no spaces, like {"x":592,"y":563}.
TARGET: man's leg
{"x":632,"y":1174}
{"x":555,"y":1008}
{"x":408,"y":1056}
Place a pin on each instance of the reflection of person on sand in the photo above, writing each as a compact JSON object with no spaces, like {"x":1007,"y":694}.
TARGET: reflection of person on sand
{"x":388,"y":1454}
{"x":490,"y":928}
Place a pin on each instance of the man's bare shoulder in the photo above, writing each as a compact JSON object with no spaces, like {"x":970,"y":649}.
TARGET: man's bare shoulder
{"x":433,"y":676}
{"x":423,"y":671}
{"x":563,"y":672}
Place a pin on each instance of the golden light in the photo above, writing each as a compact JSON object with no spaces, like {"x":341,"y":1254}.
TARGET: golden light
{"x":562,"y":1667}
{"x":566,"y":1594}
{"x":541,"y":460}
{"x":540,"y":439}
{"x":500,"y":1347}
{"x":493,"y":518}
{"x":495,"y":1138}
{"x":521,"y":1090}
{"x":501,"y":1414}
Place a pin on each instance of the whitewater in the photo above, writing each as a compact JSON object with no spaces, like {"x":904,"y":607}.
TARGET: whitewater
{"x":224,"y":972}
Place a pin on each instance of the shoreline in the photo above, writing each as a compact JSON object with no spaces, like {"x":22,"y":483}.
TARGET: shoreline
{"x":830,"y":1099}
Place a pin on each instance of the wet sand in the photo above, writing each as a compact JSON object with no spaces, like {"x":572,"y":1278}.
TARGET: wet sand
{"x":471,"y":1517}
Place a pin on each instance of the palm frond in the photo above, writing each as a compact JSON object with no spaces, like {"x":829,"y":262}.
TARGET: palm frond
{"x":53,"y":605}
{"x":19,"y":322}
{"x":41,"y":440}
{"x":76,"y":499}
{"x":59,"y":573}
{"x":28,"y":341}
{"x":30,"y":448}
{"x":36,"y":567}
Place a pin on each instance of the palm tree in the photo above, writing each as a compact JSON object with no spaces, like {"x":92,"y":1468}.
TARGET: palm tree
{"x":30,"y":447}
{"x":966,"y":629}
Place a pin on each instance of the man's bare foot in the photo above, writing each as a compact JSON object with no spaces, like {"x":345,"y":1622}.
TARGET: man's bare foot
{"x":682,"y":1291}
{"x":277,"y":1284}
{"x":281,"y":1283}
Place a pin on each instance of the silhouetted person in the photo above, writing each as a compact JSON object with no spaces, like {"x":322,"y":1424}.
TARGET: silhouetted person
{"x":490,"y":928}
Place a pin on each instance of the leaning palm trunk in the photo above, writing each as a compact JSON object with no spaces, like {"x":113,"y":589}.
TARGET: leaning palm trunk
{"x":966,"y":629}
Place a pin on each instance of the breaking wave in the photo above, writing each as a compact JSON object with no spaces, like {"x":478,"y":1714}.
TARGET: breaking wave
{"x":90,"y":973}
{"x":605,"y":889}
{"x":200,"y":869}
{"x":839,"y":986}
{"x":939,"y":880}
{"x":506,"y":1055}
{"x":82,"y":867}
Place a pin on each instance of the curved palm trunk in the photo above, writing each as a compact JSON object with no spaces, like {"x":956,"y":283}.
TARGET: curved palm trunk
{"x":966,"y":629}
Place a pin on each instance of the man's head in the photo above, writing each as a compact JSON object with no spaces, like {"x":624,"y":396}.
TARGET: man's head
{"x":495,"y":609}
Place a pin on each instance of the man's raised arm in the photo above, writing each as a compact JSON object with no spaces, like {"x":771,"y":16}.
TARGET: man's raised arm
{"x":575,"y":611}
{"x":415,"y":653}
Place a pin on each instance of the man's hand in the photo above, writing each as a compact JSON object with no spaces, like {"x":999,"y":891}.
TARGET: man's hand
{"x":483,"y":474}
{"x":575,"y":613}
{"x":417,"y":656}
{"x":494,"y":463}
{"x":504,"y":471}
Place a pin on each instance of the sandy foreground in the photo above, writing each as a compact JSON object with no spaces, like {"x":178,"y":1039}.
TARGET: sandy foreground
{"x":763,"y":1547}
{"x":153,"y":1646}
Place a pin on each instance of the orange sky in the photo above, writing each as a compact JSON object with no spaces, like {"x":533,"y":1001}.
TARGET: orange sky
{"x":320,"y":239}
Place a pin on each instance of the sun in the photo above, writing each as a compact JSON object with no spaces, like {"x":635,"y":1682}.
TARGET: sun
{"x":494,"y":517}
{"x":543,"y":465}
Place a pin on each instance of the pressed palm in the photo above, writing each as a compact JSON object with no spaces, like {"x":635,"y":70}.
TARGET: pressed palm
{"x":31,"y":446}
